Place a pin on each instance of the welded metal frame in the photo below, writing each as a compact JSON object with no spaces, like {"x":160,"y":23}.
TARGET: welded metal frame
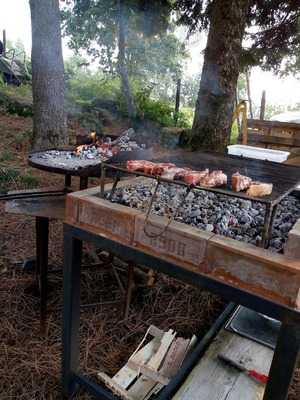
{"x":286,"y":351}
{"x":270,"y":206}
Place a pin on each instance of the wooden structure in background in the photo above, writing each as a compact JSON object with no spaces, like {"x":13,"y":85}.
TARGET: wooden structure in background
{"x":273,"y":134}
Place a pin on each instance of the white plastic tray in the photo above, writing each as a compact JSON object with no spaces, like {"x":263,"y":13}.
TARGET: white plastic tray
{"x":258,"y":153}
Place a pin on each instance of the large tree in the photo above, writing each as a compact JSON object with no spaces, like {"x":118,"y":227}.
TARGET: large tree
{"x":133,"y":38}
{"x":49,"y":121}
{"x":269,"y":31}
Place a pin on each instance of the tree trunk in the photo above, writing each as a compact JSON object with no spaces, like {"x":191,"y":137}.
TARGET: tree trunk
{"x":49,"y":120}
{"x":122,"y":62}
{"x":177,"y":100}
{"x":262,"y":106}
{"x":215,"y":103}
{"x":249,"y":93}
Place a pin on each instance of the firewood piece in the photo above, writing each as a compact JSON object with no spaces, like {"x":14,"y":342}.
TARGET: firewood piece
{"x":259,"y":189}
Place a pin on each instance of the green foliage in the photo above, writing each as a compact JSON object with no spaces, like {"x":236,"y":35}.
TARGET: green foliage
{"x":161,"y":112}
{"x":234,"y":133}
{"x":13,"y":179}
{"x":153,"y":53}
{"x":271,"y":35}
{"x":6,"y":155}
{"x":17,"y":99}
{"x":88,"y":92}
{"x":189,"y":90}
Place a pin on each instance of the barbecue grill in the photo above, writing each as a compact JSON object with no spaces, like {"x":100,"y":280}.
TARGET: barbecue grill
{"x":76,"y":166}
{"x":285,"y":179}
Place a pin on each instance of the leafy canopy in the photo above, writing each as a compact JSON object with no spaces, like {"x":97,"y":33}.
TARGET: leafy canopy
{"x":152,"y":49}
{"x":272,"y":31}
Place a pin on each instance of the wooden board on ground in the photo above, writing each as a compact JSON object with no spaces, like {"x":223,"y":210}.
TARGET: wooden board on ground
{"x":214,"y":380}
{"x":151,"y":366}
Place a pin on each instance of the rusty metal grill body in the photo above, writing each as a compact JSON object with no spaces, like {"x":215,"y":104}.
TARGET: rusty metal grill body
{"x":285,"y":179}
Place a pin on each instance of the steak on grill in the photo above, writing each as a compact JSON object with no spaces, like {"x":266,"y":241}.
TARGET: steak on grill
{"x":214,"y":179}
{"x":240,"y":182}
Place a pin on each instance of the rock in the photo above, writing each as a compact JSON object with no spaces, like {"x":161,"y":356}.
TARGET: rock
{"x":241,"y":220}
{"x":209,"y":228}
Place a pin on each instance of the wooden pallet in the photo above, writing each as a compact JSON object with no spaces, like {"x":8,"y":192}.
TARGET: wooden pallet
{"x":151,"y":366}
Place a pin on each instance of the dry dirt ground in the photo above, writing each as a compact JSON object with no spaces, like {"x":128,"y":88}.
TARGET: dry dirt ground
{"x":29,"y":362}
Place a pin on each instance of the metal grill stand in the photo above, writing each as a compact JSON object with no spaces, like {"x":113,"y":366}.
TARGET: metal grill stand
{"x":288,"y":343}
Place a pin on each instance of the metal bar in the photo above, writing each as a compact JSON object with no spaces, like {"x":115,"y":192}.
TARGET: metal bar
{"x":68,"y":180}
{"x":31,"y":195}
{"x":113,"y":189}
{"x":129,"y":289}
{"x":268,"y":225}
{"x":192,"y":359}
{"x":225,"y":192}
{"x":265,"y":233}
{"x":42,"y":237}
{"x":239,"y":296}
{"x":83,"y":182}
{"x":102,"y":181}
{"x":283,"y":363}
{"x":71,"y":312}
{"x":99,"y":392}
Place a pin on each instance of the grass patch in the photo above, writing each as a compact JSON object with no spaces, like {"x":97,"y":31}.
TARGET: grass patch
{"x":6,"y":155}
{"x":12,"y":179}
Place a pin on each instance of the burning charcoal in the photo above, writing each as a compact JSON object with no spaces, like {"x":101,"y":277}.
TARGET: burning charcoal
{"x":239,"y":219}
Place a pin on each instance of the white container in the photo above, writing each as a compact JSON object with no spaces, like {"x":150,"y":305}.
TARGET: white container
{"x":258,"y":153}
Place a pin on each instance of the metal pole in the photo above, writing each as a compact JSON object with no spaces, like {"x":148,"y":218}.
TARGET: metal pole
{"x":68,"y":180}
{"x":84,"y":182}
{"x":4,"y":42}
{"x":284,"y":361}
{"x":71,"y":312}
{"x":42,"y":237}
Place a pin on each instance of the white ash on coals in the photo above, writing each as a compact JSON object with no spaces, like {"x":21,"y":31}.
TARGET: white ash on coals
{"x":69,"y":159}
{"x":232,"y":217}
{"x":87,"y":155}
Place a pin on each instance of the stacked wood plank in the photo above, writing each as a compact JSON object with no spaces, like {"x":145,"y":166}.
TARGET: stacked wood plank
{"x":151,"y":366}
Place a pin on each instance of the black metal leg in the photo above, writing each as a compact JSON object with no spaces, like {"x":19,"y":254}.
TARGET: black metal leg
{"x":68,"y":180}
{"x":268,"y":225}
{"x":283,"y":364}
{"x":42,"y":237}
{"x":84,"y":182}
{"x":71,"y":312}
{"x":130,"y":287}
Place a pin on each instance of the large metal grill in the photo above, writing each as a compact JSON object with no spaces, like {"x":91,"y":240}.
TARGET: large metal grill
{"x":285,"y":178}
